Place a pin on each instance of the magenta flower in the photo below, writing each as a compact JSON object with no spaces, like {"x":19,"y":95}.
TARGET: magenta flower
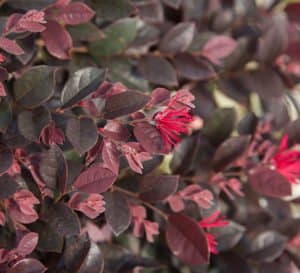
{"x":212,"y":221}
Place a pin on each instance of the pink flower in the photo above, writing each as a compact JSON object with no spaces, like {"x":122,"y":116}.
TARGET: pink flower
{"x":21,"y":207}
{"x":287,"y":161}
{"x":212,"y":221}
{"x":202,"y":197}
{"x":52,"y":135}
{"x":92,"y":205}
{"x":135,"y":154}
{"x":2,"y":58}
{"x":141,"y":226}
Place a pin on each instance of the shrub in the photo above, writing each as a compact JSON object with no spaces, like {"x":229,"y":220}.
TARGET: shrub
{"x":149,"y":136}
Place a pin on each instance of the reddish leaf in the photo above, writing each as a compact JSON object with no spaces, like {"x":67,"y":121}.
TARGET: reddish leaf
{"x":178,"y":38}
{"x":116,"y":131}
{"x":187,"y":240}
{"x":293,"y":12}
{"x":149,"y":137}
{"x":193,"y":68}
{"x":57,"y":40}
{"x":117,"y":212}
{"x":95,"y":179}
{"x":111,"y":156}
{"x":218,"y":48}
{"x":28,"y":243}
{"x":27,"y":266}
{"x":157,"y":188}
{"x":10,"y":46}
{"x":124,"y":103}
{"x":74,"y":14}
{"x":158,"y":70}
{"x":269,"y":182}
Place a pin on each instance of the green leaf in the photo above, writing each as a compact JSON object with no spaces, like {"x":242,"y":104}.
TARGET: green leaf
{"x":35,"y":86}
{"x":80,"y":84}
{"x":118,"y":36}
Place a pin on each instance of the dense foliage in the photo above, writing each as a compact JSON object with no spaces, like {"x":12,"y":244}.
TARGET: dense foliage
{"x":149,"y":136}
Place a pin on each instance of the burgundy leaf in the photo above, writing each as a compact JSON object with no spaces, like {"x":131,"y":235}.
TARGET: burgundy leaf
{"x":124,"y":103}
{"x":10,"y":46}
{"x":187,"y":240}
{"x":111,"y":156}
{"x":149,"y":137}
{"x":57,"y":40}
{"x":269,"y":182}
{"x":157,"y":188}
{"x":158,"y":70}
{"x":116,"y":131}
{"x":74,"y":14}
{"x":95,"y":179}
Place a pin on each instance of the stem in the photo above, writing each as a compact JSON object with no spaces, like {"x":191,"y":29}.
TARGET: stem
{"x":136,"y":196}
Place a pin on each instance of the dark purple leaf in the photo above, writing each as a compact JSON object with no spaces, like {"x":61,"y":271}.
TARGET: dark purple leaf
{"x":124,"y":103}
{"x":111,"y":156}
{"x":82,"y":133}
{"x":229,"y":151}
{"x":8,"y":186}
{"x":274,"y":40}
{"x":28,"y":265}
{"x":53,"y":169}
{"x":187,"y":240}
{"x":178,"y":38}
{"x":83,"y":256}
{"x":173,"y":3}
{"x":80,"y":84}
{"x":293,"y":131}
{"x":266,"y":82}
{"x":293,"y":11}
{"x":35,"y":86}
{"x":30,"y":4}
{"x":158,"y":70}
{"x":117,"y":212}
{"x":267,"y":246}
{"x":74,"y":14}
{"x":269,"y":182}
{"x":31,"y":123}
{"x":95,"y":179}
{"x":157,"y":188}
{"x":49,"y":239}
{"x":193,"y":68}
{"x":149,"y":137}
{"x":57,"y":40}
{"x":63,"y":220}
{"x":6,"y":159}
{"x":6,"y":115}
{"x":116,"y":131}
